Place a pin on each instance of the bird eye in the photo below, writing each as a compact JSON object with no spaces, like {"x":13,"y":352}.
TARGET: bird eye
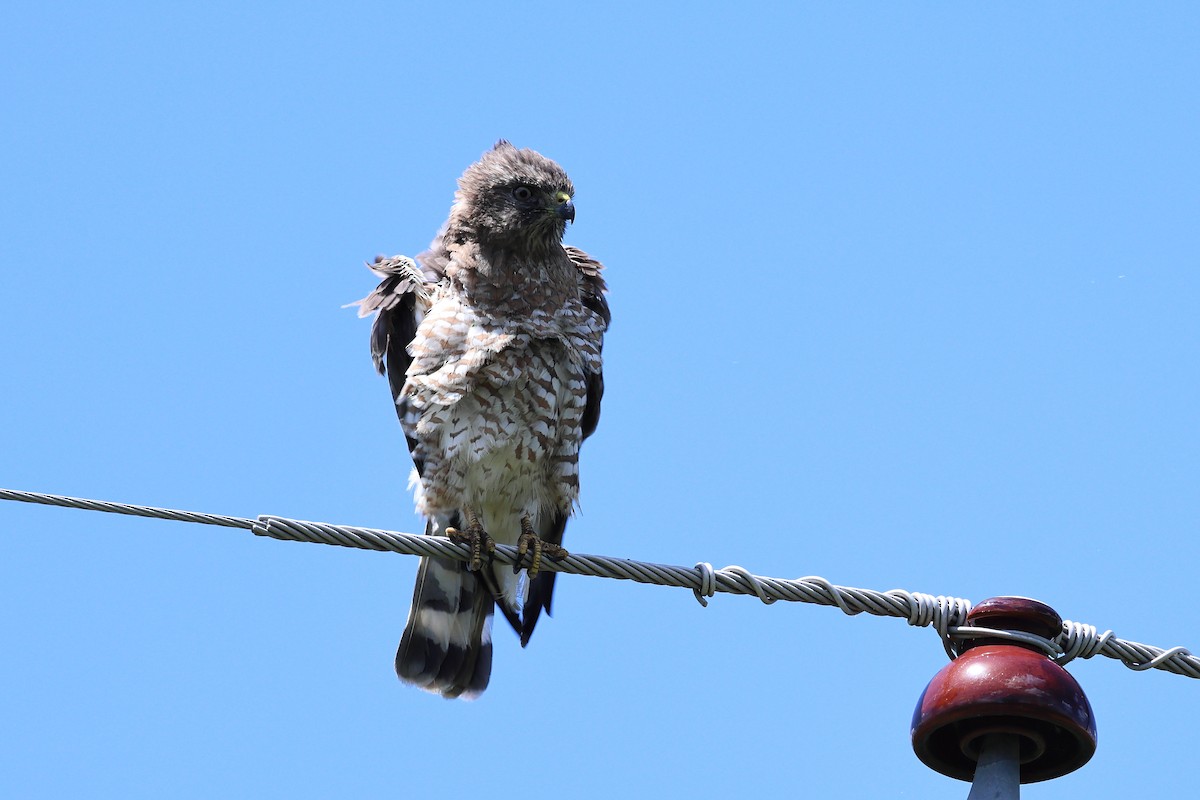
{"x":523,"y":193}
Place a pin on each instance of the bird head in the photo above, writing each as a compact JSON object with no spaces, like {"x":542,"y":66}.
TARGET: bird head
{"x":518,"y":199}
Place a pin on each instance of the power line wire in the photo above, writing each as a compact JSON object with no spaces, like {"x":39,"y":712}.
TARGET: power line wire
{"x":946,"y":615}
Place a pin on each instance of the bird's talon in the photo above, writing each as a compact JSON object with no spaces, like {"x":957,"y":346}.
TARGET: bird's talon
{"x":522,"y":549}
{"x":478,"y":540}
{"x":529,"y":542}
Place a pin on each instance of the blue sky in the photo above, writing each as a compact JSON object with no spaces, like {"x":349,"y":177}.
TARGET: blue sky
{"x":905,"y":296}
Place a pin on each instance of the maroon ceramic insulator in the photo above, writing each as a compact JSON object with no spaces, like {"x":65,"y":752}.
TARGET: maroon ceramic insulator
{"x":1005,"y":687}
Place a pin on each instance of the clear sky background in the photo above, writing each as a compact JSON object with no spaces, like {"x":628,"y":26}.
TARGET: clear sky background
{"x":904,"y":295}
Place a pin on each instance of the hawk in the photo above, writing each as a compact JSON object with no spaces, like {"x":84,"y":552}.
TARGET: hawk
{"x":491,"y":341}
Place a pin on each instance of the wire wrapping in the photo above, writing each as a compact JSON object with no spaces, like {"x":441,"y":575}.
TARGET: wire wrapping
{"x":946,"y":615}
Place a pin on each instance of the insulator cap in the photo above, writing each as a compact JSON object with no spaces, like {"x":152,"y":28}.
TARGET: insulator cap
{"x":1001,"y":686}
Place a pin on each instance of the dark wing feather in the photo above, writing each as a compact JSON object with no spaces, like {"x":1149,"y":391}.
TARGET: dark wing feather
{"x":594,"y":287}
{"x":541,"y":590}
{"x":400,"y":300}
{"x":594,"y":290}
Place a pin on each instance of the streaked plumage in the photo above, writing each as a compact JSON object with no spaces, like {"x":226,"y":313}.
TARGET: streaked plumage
{"x":491,"y":341}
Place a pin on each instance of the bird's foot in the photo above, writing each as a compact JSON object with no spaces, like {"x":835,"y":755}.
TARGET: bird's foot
{"x":530,"y":542}
{"x":477,"y":539}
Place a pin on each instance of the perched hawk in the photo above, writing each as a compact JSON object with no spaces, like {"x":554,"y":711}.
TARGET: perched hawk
{"x":491,"y":343}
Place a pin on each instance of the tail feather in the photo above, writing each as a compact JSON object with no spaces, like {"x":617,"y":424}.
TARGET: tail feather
{"x":447,"y":644}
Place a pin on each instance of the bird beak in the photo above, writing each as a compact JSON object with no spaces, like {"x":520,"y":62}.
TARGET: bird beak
{"x":566,"y":210}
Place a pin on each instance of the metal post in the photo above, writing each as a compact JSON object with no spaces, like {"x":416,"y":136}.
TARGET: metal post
{"x":998,"y":771}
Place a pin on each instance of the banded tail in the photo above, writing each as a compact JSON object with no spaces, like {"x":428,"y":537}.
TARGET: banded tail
{"x":447,"y":644}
